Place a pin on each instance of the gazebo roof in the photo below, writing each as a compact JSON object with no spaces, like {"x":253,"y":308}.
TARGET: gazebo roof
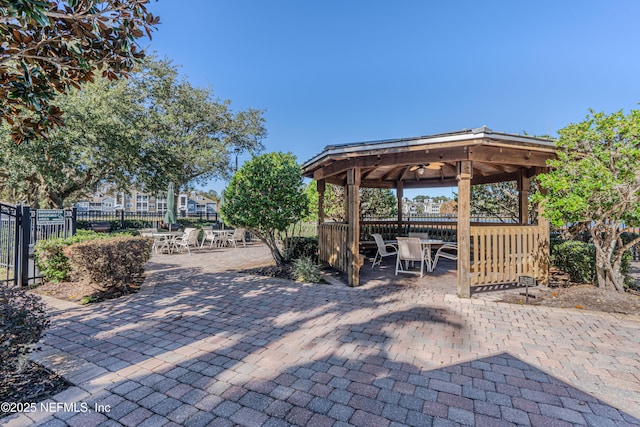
{"x":431,"y":161}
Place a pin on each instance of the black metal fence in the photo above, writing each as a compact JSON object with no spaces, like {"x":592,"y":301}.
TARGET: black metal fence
{"x":20,"y":229}
{"x":122,"y":220}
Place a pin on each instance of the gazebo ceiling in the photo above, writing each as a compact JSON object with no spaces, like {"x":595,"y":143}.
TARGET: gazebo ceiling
{"x":431,"y":161}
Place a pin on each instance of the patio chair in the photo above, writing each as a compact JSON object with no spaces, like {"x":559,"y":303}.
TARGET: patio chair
{"x":213,"y":238}
{"x":409,"y":250}
{"x":382,"y":250}
{"x":183,"y":242}
{"x":147,"y":232}
{"x":237,"y":236}
{"x":448,"y":251}
{"x":161,"y":243}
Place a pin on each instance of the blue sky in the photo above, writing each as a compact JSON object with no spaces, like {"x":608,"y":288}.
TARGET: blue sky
{"x":330,"y":72}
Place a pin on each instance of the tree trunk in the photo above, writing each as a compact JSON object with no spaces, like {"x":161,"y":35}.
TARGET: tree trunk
{"x":272,"y":244}
{"x":608,"y":264}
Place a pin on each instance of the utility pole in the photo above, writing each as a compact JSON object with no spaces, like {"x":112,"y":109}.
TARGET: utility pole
{"x":237,"y":151}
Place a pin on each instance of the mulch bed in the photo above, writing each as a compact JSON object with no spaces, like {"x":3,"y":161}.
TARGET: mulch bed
{"x":83,"y":292}
{"x":563,"y":293}
{"x":34,"y":384}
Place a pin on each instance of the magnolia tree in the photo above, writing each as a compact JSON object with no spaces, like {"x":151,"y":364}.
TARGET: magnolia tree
{"x":595,"y":183}
{"x":49,"y":47}
{"x":267,"y":196}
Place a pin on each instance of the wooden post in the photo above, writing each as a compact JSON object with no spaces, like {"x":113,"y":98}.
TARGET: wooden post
{"x":353,"y":218}
{"x":464,"y":175}
{"x":399,"y":191}
{"x":544,"y":246}
{"x":523,"y":197}
{"x":321,"y":189}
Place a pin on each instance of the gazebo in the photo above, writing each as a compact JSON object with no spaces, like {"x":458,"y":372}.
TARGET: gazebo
{"x":488,"y":253}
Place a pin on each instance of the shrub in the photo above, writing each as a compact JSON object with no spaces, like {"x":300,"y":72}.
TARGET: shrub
{"x":577,"y":259}
{"x":305,"y":270}
{"x":22,"y":323}
{"x":110,"y":263}
{"x":298,"y":247}
{"x":50,"y":258}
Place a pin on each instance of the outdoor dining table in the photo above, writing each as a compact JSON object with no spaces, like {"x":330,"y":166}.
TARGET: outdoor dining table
{"x":166,"y":240}
{"x":426,"y":247}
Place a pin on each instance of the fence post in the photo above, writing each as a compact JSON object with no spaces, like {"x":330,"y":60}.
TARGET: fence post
{"x":22,"y":271}
{"x":122,"y":219}
{"x":74,"y":218}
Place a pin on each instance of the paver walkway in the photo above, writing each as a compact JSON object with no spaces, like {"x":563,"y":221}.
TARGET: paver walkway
{"x":201,"y":345}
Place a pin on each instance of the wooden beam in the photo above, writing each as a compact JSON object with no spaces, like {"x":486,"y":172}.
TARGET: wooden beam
{"x":376,"y":184}
{"x":508,"y":156}
{"x":492,"y":179}
{"x":366,"y":173}
{"x":391,"y":172}
{"x":321,"y":189}
{"x":399,"y":195}
{"x":465,"y":172}
{"x":392,"y":159}
{"x":353,"y":219}
{"x":523,"y":196}
{"x":543,"y":246}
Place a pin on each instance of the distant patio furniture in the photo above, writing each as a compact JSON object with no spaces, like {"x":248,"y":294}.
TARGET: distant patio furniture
{"x":101,"y":226}
{"x":147,"y":232}
{"x":382,"y":250}
{"x":409,"y":251}
{"x":166,"y":241}
{"x":237,"y":236}
{"x":188,"y":238}
{"x":448,"y":251}
{"x":212,"y":236}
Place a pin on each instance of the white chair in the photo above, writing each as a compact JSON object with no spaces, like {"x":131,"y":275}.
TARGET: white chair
{"x":382,"y":250}
{"x":237,"y":236}
{"x":448,"y":251}
{"x":161,"y":243}
{"x":187,"y":239}
{"x":147,"y":232}
{"x":409,"y":250}
{"x":212,"y":237}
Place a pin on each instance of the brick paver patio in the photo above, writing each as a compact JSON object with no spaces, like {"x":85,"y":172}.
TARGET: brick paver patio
{"x":204,"y":345}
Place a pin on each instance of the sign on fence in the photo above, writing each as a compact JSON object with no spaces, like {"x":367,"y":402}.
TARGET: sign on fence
{"x":50,"y":216}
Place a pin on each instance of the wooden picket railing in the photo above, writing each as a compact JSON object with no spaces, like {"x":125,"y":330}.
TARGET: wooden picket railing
{"x":332,"y":244}
{"x":499,"y":254}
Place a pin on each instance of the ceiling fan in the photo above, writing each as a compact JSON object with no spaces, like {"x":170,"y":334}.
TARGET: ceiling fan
{"x":419,"y":169}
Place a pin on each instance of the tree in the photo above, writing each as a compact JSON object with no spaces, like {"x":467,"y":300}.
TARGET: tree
{"x":595,"y":183}
{"x":374,"y":202}
{"x":189,"y":132}
{"x":500,"y":200}
{"x":101,"y":142}
{"x":49,"y":47}
{"x":129,"y":133}
{"x":266,"y":196}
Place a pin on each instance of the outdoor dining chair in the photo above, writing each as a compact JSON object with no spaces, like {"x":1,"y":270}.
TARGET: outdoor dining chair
{"x":237,"y":236}
{"x":382,"y":250}
{"x":189,"y":238}
{"x":409,"y":251}
{"x":448,"y":251}
{"x":212,"y":237}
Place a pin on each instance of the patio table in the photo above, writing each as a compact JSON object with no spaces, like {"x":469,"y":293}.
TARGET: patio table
{"x":166,"y":240}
